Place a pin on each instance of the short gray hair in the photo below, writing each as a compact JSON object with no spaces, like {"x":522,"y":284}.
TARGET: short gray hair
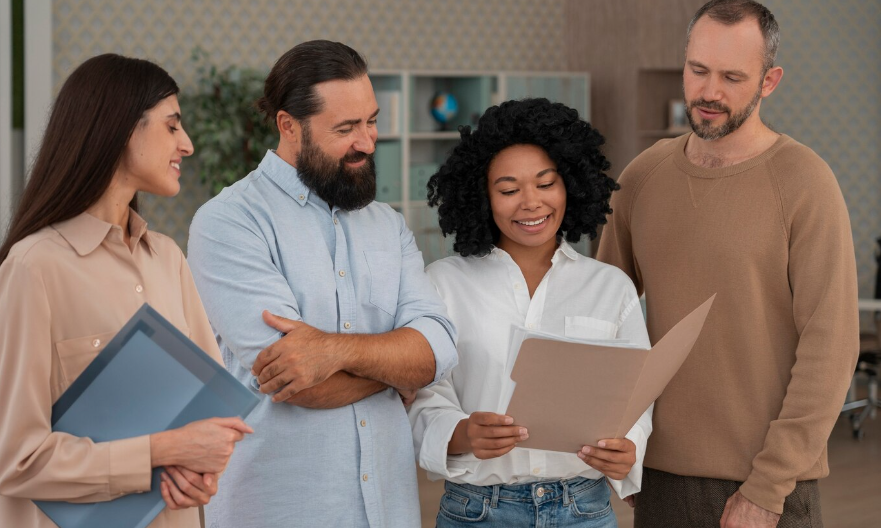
{"x":731,"y":12}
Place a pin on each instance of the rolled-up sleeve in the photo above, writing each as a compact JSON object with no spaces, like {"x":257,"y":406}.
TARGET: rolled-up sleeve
{"x":421,"y":308}
{"x":37,"y":463}
{"x":237,"y":279}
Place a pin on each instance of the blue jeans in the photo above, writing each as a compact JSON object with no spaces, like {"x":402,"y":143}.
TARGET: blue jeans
{"x":572,"y":502}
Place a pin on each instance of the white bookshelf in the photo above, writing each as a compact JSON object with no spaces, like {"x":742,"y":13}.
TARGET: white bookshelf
{"x":413,"y":146}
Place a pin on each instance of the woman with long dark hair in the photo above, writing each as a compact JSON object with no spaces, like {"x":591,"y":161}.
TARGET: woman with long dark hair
{"x":76,"y":264}
{"x":513,"y":193}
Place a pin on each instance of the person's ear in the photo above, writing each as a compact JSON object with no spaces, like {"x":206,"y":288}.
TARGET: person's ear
{"x":289,"y":128}
{"x":771,"y":80}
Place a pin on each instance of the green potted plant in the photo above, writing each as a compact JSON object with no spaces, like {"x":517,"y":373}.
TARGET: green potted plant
{"x":227,"y":131}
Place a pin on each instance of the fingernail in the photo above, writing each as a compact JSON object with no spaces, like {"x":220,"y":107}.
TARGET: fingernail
{"x":523,"y":431}
{"x":602,"y":443}
{"x":581,"y":455}
{"x":524,"y":436}
{"x":585,"y":450}
{"x":208,"y":480}
{"x":508,"y":420}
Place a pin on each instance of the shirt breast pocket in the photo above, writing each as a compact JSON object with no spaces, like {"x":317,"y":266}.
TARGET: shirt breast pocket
{"x":74,"y":355}
{"x":581,"y":327}
{"x":385,"y":279}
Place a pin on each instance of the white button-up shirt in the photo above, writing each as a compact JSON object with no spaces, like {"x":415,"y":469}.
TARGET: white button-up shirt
{"x":578,"y":297}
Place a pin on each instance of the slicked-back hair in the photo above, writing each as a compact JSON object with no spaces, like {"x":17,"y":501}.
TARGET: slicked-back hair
{"x":459,"y":188}
{"x":290,"y":85}
{"x":730,"y":12}
{"x":92,"y":119}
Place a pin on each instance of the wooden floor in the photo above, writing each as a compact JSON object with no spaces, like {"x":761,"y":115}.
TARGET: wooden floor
{"x":850,"y":496}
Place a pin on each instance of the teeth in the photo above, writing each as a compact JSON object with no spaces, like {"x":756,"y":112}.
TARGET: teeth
{"x":535,"y":223}
{"x":175,"y":165}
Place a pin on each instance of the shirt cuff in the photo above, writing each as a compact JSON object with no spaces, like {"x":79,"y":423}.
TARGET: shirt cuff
{"x":632,"y":483}
{"x":130,"y":465}
{"x":435,"y":443}
{"x":764,"y":493}
{"x":442,"y":345}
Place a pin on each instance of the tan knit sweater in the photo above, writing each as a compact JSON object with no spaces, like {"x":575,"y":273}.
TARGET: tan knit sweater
{"x":757,"y":398}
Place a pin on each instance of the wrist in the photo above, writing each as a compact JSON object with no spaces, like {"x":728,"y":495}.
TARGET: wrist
{"x":161,"y":449}
{"x":347,"y":351}
{"x":459,"y":444}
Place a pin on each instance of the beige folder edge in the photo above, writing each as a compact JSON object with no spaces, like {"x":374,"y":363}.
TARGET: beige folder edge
{"x":569,"y":395}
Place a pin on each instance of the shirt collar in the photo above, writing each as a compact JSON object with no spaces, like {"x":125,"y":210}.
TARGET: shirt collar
{"x":85,"y":232}
{"x":564,"y":249}
{"x":285,"y":176}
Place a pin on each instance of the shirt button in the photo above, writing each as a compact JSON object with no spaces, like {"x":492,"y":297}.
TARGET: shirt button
{"x":363,"y":423}
{"x":302,"y":197}
{"x":347,"y":325}
{"x":517,"y":286}
{"x":139,"y":288}
{"x":536,"y":471}
{"x":342,"y":273}
{"x":96,"y":343}
{"x":364,"y":478}
{"x":540,"y":492}
{"x":530,"y":326}
{"x":335,"y":221}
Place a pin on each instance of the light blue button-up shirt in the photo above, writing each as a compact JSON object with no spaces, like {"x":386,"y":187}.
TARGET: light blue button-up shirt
{"x":268,"y":243}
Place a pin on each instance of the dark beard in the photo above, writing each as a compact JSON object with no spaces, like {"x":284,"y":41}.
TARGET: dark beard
{"x":704,"y":130}
{"x":332,"y":181}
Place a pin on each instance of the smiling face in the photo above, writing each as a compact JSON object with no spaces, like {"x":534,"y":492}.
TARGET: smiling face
{"x":724,"y":78}
{"x":336,"y":156}
{"x":151,"y":160}
{"x":527,"y":197}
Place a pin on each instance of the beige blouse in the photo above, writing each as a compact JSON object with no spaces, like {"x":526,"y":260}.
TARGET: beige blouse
{"x":64,"y":292}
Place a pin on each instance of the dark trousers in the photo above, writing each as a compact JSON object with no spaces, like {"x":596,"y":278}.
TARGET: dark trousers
{"x":672,"y":501}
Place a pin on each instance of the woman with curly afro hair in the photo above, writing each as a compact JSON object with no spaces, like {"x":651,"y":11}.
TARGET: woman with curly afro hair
{"x":514,"y":192}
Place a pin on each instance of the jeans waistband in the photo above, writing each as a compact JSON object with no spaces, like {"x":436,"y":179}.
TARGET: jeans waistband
{"x":537,"y":492}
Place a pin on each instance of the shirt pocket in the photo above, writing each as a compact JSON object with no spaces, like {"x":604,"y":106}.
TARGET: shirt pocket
{"x":385,"y":279}
{"x":582,"y":327}
{"x":74,"y":355}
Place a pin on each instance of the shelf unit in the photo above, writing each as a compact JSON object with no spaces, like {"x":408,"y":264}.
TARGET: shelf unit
{"x":656,"y":87}
{"x":414,"y":146}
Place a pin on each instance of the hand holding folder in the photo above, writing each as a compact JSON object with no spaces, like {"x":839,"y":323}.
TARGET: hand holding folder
{"x":149,"y":378}
{"x":570,"y":393}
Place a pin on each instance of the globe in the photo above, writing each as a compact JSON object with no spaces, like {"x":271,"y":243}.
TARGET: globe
{"x":444,"y":108}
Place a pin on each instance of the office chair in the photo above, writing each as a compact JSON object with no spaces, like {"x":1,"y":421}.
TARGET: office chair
{"x":868,"y":367}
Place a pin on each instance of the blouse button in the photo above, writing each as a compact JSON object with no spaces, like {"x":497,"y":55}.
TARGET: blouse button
{"x":347,"y":325}
{"x":365,"y":477}
{"x":335,"y":221}
{"x":302,"y":197}
{"x":139,"y":288}
{"x":96,"y":343}
{"x":363,"y":423}
{"x":342,"y":273}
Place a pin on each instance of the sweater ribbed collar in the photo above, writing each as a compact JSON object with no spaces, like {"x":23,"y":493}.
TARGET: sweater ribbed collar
{"x":701,"y":172}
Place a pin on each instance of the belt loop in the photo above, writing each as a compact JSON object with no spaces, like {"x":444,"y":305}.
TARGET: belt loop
{"x":565,"y":492}
{"x":495,"y":500}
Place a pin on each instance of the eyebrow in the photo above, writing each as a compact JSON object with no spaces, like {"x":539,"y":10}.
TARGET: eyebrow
{"x":738,"y":73}
{"x":175,"y":115}
{"x":513,"y":179}
{"x":353,"y":122}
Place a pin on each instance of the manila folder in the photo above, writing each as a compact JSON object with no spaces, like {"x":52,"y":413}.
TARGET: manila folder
{"x":569,"y":395}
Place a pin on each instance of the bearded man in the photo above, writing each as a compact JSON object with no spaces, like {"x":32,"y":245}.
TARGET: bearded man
{"x":319,"y":302}
{"x":736,"y":209}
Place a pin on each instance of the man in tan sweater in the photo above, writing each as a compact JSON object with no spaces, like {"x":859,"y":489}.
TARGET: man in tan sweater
{"x":741,"y":211}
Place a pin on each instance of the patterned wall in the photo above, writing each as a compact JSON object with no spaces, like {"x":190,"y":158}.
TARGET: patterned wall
{"x":394,"y":34}
{"x":829,"y":100}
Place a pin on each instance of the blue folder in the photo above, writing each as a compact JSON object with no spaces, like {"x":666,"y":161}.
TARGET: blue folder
{"x":149,"y":378}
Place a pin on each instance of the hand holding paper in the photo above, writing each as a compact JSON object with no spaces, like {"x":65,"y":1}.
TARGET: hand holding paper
{"x":570,"y":394}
